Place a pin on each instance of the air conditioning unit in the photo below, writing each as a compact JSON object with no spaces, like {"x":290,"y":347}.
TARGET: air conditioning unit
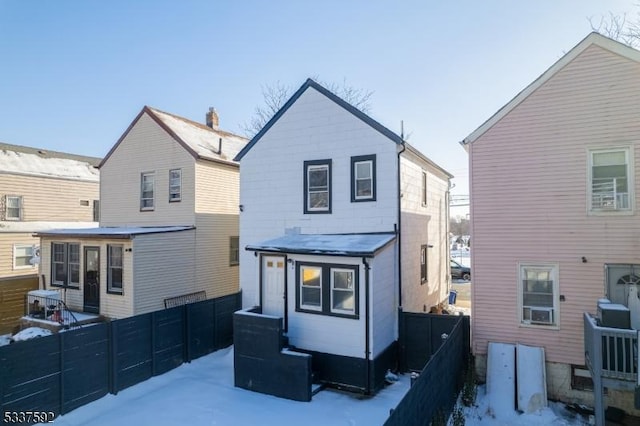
{"x":538,"y":315}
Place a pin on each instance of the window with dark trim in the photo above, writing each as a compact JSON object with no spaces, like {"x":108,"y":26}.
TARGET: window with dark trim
{"x":327,"y":289}
{"x":363,"y":178}
{"x":423,"y":190}
{"x":65,"y":265}
{"x":423,"y":264}
{"x":115,"y":268}
{"x":175,"y":185}
{"x":96,"y":210}
{"x":234,"y":251}
{"x":147,"y":189}
{"x":317,"y":186}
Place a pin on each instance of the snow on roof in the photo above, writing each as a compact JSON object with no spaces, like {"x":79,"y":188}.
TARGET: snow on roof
{"x":112,"y":232}
{"x":36,"y":162}
{"x":10,"y":226}
{"x":203,"y":140}
{"x":336,"y":245}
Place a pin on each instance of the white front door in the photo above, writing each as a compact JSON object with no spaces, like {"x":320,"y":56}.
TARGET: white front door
{"x":273,"y":285}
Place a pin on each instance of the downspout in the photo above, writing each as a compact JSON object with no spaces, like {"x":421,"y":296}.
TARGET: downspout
{"x":367,"y":342}
{"x":399,"y":231}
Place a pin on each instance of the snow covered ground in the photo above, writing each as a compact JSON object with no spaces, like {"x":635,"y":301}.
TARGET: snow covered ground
{"x":202,"y":393}
{"x":556,"y":414}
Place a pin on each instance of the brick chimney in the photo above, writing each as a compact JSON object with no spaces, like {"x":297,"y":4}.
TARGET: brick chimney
{"x":212,"y":118}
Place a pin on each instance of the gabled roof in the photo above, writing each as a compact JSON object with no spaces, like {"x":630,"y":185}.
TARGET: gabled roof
{"x":592,"y":39}
{"x":44,"y":163}
{"x":354,"y":245}
{"x":201,"y":141}
{"x":347,"y":106}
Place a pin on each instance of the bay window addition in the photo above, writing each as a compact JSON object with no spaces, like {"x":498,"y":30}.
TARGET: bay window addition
{"x":22,"y":255}
{"x":147,"y":187}
{"x":327,"y":289}
{"x":363,"y":178}
{"x":65,"y":265}
{"x":317,"y":186}
{"x":610,"y":180}
{"x":538,"y":287}
{"x":115,"y":268}
{"x":175,"y":185}
{"x":13,"y":207}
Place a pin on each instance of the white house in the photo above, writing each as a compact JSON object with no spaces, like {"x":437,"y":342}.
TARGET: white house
{"x":168,"y":225}
{"x":342,"y":224}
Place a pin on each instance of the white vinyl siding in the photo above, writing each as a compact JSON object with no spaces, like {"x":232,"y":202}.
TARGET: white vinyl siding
{"x":22,"y":255}
{"x":175,"y":185}
{"x":147,"y":190}
{"x":337,"y":334}
{"x":610,"y":180}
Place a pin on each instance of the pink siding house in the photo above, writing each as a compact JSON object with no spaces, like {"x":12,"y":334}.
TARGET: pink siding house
{"x":555,"y":221}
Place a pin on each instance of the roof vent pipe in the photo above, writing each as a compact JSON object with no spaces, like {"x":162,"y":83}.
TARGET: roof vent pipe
{"x":219,"y":146}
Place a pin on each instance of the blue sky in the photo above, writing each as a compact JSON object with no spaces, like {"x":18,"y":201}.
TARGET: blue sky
{"x":74,"y":74}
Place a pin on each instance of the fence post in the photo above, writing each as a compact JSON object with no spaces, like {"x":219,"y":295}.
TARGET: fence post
{"x":114,"y":357}
{"x":401,"y":342}
{"x":215,"y":325}
{"x":187,"y":332}
{"x":61,"y":346}
{"x":154,"y":337}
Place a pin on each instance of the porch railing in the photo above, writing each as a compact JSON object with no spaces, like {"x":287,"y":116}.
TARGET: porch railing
{"x":610,"y":352}
{"x":49,"y":308}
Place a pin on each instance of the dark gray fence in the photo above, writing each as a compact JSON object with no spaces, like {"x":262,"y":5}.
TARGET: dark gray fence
{"x":443,"y":358}
{"x":64,"y":371}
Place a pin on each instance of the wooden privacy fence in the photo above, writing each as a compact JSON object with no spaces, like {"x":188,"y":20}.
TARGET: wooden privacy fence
{"x":12,"y":295}
{"x":64,"y":371}
{"x":441,"y":344}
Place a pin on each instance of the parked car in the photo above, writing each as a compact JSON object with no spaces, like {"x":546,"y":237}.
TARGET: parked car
{"x":459,"y":271}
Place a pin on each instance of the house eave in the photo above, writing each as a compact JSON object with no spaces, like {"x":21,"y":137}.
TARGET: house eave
{"x":593,"y":38}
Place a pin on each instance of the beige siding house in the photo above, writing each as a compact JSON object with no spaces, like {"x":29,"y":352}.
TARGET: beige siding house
{"x":169,"y":220}
{"x":554,"y":211}
{"x":41,"y":190}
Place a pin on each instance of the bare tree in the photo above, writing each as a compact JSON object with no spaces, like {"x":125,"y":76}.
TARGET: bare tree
{"x":276,"y":95}
{"x":618,"y":27}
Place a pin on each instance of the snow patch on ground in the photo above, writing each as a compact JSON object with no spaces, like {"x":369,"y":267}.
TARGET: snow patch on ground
{"x":555,"y":414}
{"x":5,"y":339}
{"x":202,"y":393}
{"x":31,"y":333}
